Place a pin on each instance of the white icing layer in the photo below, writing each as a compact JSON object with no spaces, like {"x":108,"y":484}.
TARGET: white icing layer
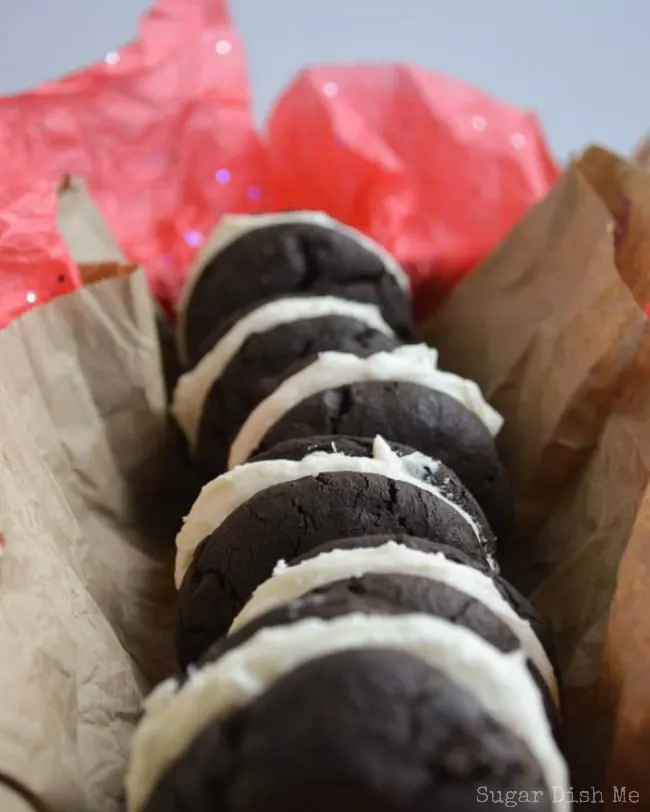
{"x":193,"y":387}
{"x":289,"y":583}
{"x":222,"y":496}
{"x":233,"y":226}
{"x":500,"y":683}
{"x":416,"y":364}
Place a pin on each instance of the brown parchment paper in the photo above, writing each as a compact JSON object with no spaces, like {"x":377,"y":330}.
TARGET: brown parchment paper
{"x":642,"y":153}
{"x":552,"y":327}
{"x":94,"y":248}
{"x":86,"y":593}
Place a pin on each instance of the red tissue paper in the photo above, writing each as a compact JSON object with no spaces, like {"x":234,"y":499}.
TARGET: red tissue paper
{"x":160,"y":129}
{"x":162,"y":132}
{"x":34,"y":263}
{"x":432,"y":168}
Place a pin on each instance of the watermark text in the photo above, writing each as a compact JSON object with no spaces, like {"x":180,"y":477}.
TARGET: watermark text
{"x":511,"y":799}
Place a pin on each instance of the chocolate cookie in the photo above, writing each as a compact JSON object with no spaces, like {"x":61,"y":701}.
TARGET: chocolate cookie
{"x":270,"y":313}
{"x":381,"y":594}
{"x":283,"y":521}
{"x":522,"y":606}
{"x":421,"y":466}
{"x":263,"y":362}
{"x":358,"y":731}
{"x":292,"y":257}
{"x":430,"y":421}
{"x":388,"y":594}
{"x":224,"y":494}
{"x":297,"y":448}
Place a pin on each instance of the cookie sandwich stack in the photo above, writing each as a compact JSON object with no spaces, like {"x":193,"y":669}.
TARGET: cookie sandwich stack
{"x":345,"y":638}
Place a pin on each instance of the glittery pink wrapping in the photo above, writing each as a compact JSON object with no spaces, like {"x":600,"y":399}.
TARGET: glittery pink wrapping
{"x":162,"y":132}
{"x":431,"y":167}
{"x":34,"y":263}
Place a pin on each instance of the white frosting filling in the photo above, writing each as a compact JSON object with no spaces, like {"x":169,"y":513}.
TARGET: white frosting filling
{"x":233,"y":226}
{"x":289,"y":583}
{"x":500,"y":683}
{"x":222,"y":496}
{"x":193,"y":387}
{"x":408,"y":364}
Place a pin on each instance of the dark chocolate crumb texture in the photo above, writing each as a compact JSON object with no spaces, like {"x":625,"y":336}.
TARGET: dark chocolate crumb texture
{"x":386,"y":590}
{"x":522,"y":606}
{"x":291,"y":581}
{"x":401,"y":395}
{"x":278,"y":509}
{"x":419,"y":465}
{"x":250,"y":259}
{"x":431,"y":747}
{"x":247,"y":364}
{"x":372,"y":706}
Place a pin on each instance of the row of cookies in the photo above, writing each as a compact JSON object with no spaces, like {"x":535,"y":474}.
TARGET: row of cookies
{"x":344,"y":633}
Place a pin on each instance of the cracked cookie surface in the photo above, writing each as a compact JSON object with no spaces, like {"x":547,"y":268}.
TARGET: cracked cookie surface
{"x":287,"y":520}
{"x":264,"y":361}
{"x":416,"y":416}
{"x":288,"y":259}
{"x":429,"y":470}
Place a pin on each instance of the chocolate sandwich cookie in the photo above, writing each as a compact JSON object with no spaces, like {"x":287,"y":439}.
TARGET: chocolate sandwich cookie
{"x":421,"y":466}
{"x":251,"y":259}
{"x":249,"y":361}
{"x":285,"y":520}
{"x":278,"y":509}
{"x":396,"y":594}
{"x":521,"y":605}
{"x":425,"y":419}
{"x":362,"y":731}
{"x":373,"y":708}
{"x":374,"y":594}
{"x":223,"y":495}
{"x":400,"y":395}
{"x":291,"y":582}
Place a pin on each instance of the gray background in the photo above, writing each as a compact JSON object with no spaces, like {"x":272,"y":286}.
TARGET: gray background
{"x":583,"y":65}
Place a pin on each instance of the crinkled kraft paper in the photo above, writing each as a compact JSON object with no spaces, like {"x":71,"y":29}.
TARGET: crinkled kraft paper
{"x":86,"y":594}
{"x":553,"y":328}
